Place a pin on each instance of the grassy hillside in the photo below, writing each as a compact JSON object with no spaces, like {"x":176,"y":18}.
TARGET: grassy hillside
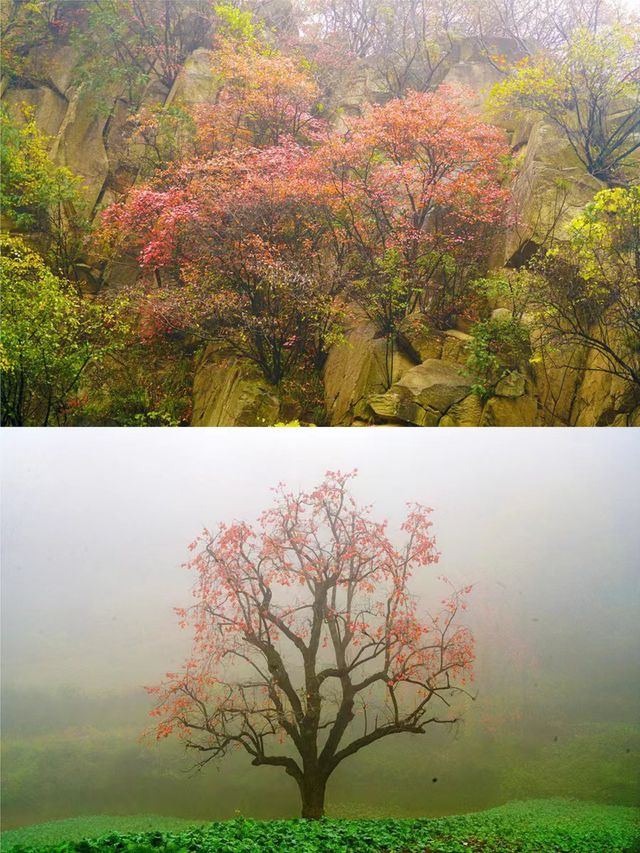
{"x":65,"y":771}
{"x":535,"y":826}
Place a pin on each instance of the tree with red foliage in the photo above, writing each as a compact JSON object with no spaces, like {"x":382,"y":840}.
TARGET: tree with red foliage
{"x":417,"y":190}
{"x":233,"y":249}
{"x":256,"y":243}
{"x":265,"y":96}
{"x":423,"y":176}
{"x":309,"y":645}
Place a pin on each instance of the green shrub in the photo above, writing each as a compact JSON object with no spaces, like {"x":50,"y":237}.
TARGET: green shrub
{"x":537,"y":826}
{"x":49,"y":335}
{"x":498,"y":346}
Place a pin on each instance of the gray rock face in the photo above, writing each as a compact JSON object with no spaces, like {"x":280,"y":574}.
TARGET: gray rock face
{"x":475,"y":76}
{"x":466,"y":413}
{"x":80,"y":144}
{"x":67,"y":113}
{"x":423,"y":395}
{"x":350,"y":95}
{"x":454,"y":346}
{"x":54,"y":65}
{"x":470,"y":69}
{"x":502,"y":315}
{"x":601,"y":397}
{"x":49,"y":107}
{"x":276,"y":14}
{"x":419,"y":340}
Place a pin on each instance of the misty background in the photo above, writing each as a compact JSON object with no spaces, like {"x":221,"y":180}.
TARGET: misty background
{"x":95,"y":527}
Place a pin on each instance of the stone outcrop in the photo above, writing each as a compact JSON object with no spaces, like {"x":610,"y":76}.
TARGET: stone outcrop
{"x":423,"y":395}
{"x":466,"y":413}
{"x":49,"y":107}
{"x":54,"y":66}
{"x":550,"y":189}
{"x":275,"y":14}
{"x":603,"y":399}
{"x":229,"y":391}
{"x":470,"y":69}
{"x":419,"y":340}
{"x":79,"y":144}
{"x":510,"y":411}
{"x":355,"y":369}
{"x":68,"y":114}
{"x":454,"y":346}
{"x":196,"y":83}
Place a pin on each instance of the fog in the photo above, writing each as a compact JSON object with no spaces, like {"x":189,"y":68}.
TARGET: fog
{"x":95,"y":526}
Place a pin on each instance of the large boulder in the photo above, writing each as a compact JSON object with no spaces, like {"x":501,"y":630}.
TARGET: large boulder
{"x":423,"y":395}
{"x":510,"y":412}
{"x":355,"y":369}
{"x":470,"y":66}
{"x":575,"y":386}
{"x":513,"y":403}
{"x":551,"y":188}
{"x":277,"y":15}
{"x":455,"y":346}
{"x":513,"y":384}
{"x":66,"y":112}
{"x":230,"y":391}
{"x":466,"y":413}
{"x":422,"y":343}
{"x":557,"y":375}
{"x":477,"y":77}
{"x":350,"y":95}
{"x":54,"y":65}
{"x":418,"y":340}
{"x":631,"y":419}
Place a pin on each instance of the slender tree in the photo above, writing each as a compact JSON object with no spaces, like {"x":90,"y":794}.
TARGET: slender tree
{"x":587,"y":293}
{"x":309,"y":645}
{"x":591,"y":95}
{"x":417,"y":192}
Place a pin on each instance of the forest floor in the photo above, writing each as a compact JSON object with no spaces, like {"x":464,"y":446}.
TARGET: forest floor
{"x":533,"y":826}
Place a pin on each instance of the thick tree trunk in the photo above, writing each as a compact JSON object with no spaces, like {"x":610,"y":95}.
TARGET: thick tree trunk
{"x":312,"y":791}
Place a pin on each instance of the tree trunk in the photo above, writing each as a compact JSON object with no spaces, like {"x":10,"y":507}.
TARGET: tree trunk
{"x":312,"y":791}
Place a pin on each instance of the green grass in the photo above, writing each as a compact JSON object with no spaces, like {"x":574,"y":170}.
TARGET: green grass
{"x":78,"y":828}
{"x":535,"y":826}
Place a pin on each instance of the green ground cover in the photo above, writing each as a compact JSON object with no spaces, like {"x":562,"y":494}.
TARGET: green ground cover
{"x":535,"y":826}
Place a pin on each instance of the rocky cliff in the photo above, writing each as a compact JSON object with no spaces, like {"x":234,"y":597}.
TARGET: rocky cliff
{"x":429,"y":384}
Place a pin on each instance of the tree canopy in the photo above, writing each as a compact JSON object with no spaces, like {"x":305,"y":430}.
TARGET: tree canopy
{"x":309,"y":644}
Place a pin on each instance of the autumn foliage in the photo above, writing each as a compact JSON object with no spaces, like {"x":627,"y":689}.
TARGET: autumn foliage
{"x":309,"y":644}
{"x":239,"y":244}
{"x":265,"y":97}
{"x":417,"y":189}
{"x":259,"y":236}
{"x":286,"y":174}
